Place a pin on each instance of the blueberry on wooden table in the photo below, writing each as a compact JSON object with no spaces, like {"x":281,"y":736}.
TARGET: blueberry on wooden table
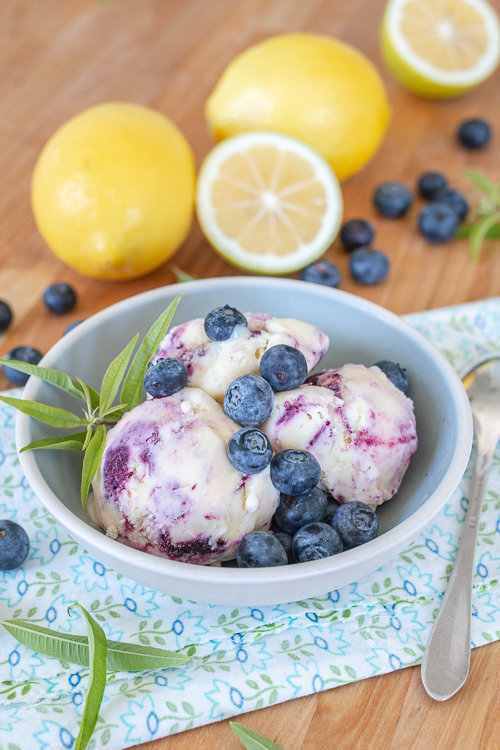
{"x":27,"y":354}
{"x":395,"y":373}
{"x":295,"y":472}
{"x":438,"y":222}
{"x":249,"y":400}
{"x":474,"y":134}
{"x":430,"y":183}
{"x":284,"y":367}
{"x":14,"y":545}
{"x":356,"y":523}
{"x":59,"y":298}
{"x":5,"y":316}
{"x":368,"y":266}
{"x":221,"y":322}
{"x":315,"y":541}
{"x":295,"y":511}
{"x":322,"y":272}
{"x":259,"y":549}
{"x":356,"y":233}
{"x":393,"y":199}
{"x":249,"y":450}
{"x":165,"y":377}
{"x":455,"y":200}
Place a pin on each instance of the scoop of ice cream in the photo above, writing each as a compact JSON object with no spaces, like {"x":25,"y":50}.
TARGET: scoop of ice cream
{"x":358,"y":425}
{"x":213,"y":365}
{"x":165,"y":484}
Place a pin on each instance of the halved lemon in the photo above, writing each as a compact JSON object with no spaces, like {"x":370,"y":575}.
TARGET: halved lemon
{"x":440,"y":48}
{"x":268,"y":203}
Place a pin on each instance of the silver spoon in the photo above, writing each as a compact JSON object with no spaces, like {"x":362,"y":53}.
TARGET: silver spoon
{"x":446,"y":661}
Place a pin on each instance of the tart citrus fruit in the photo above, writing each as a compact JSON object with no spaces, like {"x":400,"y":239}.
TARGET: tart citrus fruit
{"x":268,"y":203}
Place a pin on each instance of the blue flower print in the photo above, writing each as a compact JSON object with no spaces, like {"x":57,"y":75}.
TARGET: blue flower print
{"x":415,"y":583}
{"x":56,"y":615}
{"x":307,"y":678}
{"x":188,"y":628}
{"x":172,"y":679}
{"x":403,"y":621}
{"x":487,"y":567}
{"x":9,"y":719}
{"x":330,"y":639}
{"x":483,"y":609}
{"x":45,"y":546}
{"x":23,"y":663}
{"x":28,"y":493}
{"x":383,"y":661}
{"x":13,"y":586}
{"x":9,"y":414}
{"x":252,"y":656}
{"x":440,"y":543}
{"x":225,"y":695}
{"x":54,"y":736}
{"x":7,"y":513}
{"x":90,"y":573}
{"x":457,"y":507}
{"x":141,"y":719}
{"x":138,"y":600}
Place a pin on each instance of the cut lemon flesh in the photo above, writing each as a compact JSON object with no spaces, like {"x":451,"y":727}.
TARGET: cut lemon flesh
{"x":268,"y":203}
{"x":441,"y":47}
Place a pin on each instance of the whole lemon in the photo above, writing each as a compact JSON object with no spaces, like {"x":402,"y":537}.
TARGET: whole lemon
{"x":113,"y":190}
{"x":312,"y":87}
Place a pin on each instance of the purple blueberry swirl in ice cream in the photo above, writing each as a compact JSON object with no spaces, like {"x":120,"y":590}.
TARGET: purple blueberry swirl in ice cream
{"x":213,"y":365}
{"x":166,"y":486}
{"x":358,"y":425}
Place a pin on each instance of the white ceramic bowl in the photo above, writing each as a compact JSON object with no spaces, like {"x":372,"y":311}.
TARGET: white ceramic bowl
{"x":359,"y":332}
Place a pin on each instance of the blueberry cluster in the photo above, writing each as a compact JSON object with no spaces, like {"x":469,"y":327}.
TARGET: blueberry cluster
{"x":438,"y":222}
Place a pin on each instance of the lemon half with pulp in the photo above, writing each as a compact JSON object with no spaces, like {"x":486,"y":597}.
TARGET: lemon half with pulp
{"x":440,"y":48}
{"x":268,"y":203}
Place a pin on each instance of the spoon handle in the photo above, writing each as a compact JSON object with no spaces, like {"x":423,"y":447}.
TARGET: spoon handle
{"x":445,"y":665}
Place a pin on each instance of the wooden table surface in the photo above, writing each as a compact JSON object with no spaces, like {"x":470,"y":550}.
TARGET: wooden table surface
{"x":56,"y":58}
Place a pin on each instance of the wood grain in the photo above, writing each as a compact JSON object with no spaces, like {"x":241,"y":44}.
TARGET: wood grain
{"x":59,"y":57}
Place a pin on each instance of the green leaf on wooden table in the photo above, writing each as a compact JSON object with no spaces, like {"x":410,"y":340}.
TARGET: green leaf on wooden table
{"x":465,"y":230}
{"x":132,"y":387}
{"x":98,"y":648}
{"x":55,"y":377}
{"x":114,"y":375}
{"x":251,"y":739}
{"x":121,"y":657}
{"x":483,"y":183}
{"x":180,"y":275}
{"x":52,"y":415}
{"x":91,"y":460}
{"x":479,"y":232}
{"x":66,"y":443}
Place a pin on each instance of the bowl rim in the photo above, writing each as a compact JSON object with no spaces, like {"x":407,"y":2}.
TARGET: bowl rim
{"x":398,"y":537}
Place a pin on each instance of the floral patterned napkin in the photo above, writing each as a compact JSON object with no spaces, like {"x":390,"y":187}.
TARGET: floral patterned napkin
{"x":242,"y":658}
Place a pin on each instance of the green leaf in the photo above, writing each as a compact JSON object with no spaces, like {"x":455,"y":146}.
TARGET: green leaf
{"x":252,"y":740}
{"x":66,"y":443}
{"x":86,"y":393}
{"x":122,"y":657}
{"x":55,"y":377}
{"x":113,"y":377}
{"x":132,"y":387}
{"x":465,"y":230}
{"x":91,"y":461}
{"x":479,"y":232}
{"x":52,"y":415}
{"x":180,"y":275}
{"x":98,"y":648}
{"x":484,"y":184}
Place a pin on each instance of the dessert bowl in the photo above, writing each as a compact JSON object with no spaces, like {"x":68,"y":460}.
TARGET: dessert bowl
{"x":360,"y":332}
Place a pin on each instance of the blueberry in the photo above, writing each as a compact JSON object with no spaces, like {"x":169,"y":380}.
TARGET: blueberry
{"x":322,"y":272}
{"x":72,"y":325}
{"x":315,"y":541}
{"x":249,"y":450}
{"x":284,"y":367}
{"x":5,"y":316}
{"x":249,"y":400}
{"x":258,"y":549}
{"x":14,"y":545}
{"x":438,"y":222}
{"x":165,"y":377}
{"x":59,"y":298}
{"x":295,"y":511}
{"x":22,"y":354}
{"x":429,"y":184}
{"x":474,"y":134}
{"x":286,"y":542}
{"x":221,"y":322}
{"x":393,"y":199}
{"x":356,"y":233}
{"x":356,"y":523}
{"x":368,"y":266}
{"x":454,"y":200}
{"x":295,"y":472}
{"x":395,"y":373}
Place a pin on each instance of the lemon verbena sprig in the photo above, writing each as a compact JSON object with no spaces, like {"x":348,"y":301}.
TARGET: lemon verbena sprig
{"x":484,"y":221}
{"x":100,"y":411}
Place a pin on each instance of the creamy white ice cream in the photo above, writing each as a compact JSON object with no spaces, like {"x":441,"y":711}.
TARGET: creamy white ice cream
{"x":213,"y":365}
{"x":358,"y":425}
{"x":166,"y":486}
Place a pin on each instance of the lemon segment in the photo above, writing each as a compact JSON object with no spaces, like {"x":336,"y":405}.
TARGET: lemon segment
{"x":268,"y":203}
{"x":311,"y":87}
{"x":440,"y":48}
{"x":113,"y":191}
